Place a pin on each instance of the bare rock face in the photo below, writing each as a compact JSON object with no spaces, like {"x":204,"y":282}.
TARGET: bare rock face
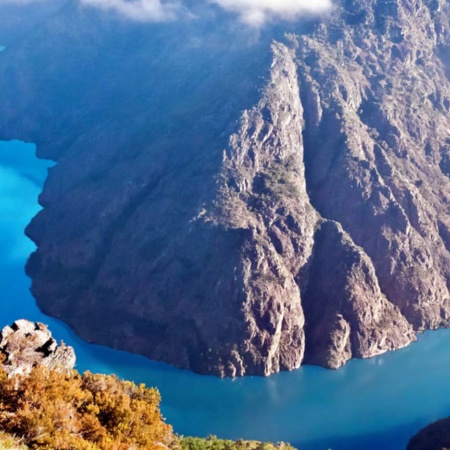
{"x":379,"y":94}
{"x":26,"y":344}
{"x":241,"y":209}
{"x":349,"y":316}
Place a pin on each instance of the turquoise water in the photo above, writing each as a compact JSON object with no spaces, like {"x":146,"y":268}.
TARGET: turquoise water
{"x":373,"y":404}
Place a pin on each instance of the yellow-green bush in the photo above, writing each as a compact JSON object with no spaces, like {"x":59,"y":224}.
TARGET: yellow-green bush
{"x":52,"y":410}
{"x":67,"y":411}
{"x":8,"y":442}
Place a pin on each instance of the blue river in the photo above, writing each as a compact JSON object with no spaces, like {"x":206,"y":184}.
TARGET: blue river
{"x":372,"y":404}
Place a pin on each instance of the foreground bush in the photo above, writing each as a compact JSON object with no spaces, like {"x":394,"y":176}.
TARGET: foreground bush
{"x":55,"y":410}
{"x":67,"y":411}
{"x":8,"y":442}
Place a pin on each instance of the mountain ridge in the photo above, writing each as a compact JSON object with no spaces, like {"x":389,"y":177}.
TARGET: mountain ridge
{"x":241,"y":211}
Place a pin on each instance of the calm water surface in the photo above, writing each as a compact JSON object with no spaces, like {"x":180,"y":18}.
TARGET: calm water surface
{"x":373,"y":404}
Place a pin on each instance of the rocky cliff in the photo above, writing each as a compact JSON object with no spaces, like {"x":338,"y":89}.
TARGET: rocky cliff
{"x":238,"y":206}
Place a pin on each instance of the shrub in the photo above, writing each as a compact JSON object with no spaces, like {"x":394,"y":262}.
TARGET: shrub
{"x":64,"y":411}
{"x":212,"y":443}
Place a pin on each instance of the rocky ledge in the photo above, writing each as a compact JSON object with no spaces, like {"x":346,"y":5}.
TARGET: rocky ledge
{"x":27,"y":344}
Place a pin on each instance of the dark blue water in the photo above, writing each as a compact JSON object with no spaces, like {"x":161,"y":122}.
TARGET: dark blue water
{"x":373,"y":404}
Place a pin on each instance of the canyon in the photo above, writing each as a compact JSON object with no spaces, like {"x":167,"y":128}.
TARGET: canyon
{"x":237,"y":205}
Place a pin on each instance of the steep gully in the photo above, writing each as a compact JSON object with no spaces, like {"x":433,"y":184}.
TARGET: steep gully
{"x":344,"y":315}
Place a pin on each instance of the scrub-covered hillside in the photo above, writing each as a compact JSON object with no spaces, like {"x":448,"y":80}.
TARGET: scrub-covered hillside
{"x":46,"y":404}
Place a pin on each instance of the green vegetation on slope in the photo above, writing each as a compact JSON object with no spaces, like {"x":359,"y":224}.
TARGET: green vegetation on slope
{"x":212,"y":443}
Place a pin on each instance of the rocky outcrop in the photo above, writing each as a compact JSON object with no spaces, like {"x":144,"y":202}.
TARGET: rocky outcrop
{"x":434,"y":437}
{"x":25,"y":345}
{"x":236,"y":207}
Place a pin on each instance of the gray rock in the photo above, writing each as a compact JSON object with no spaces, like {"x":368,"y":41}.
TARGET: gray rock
{"x":26,"y":344}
